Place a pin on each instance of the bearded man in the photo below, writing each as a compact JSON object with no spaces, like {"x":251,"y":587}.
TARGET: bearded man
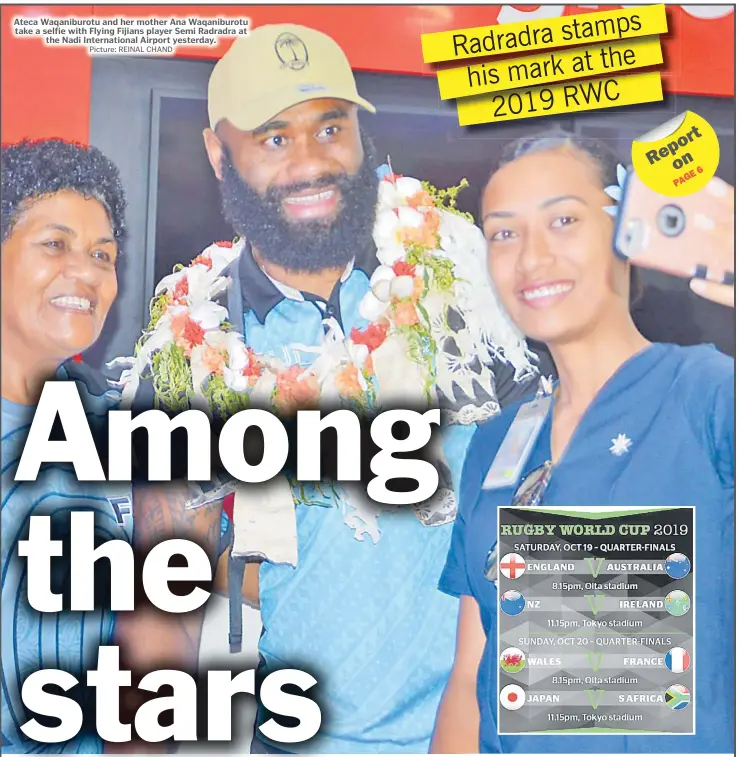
{"x":357,"y":604}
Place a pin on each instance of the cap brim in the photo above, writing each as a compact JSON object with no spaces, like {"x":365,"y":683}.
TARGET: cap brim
{"x":256,"y":114}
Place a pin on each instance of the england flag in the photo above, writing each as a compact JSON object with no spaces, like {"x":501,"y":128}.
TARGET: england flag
{"x":512,"y":565}
{"x":677,"y":660}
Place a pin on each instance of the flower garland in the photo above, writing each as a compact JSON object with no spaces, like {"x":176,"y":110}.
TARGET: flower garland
{"x":196,"y":358}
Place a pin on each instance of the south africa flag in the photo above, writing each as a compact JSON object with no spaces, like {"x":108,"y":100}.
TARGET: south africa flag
{"x":677,"y":697}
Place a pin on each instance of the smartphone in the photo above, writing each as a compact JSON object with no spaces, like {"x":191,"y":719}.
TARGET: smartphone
{"x":660,"y":232}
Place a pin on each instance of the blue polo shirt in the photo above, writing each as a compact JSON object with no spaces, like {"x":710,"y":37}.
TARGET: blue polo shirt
{"x":676,"y":404}
{"x":366,"y":619}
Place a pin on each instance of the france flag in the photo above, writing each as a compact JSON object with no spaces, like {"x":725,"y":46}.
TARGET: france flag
{"x":677,"y":660}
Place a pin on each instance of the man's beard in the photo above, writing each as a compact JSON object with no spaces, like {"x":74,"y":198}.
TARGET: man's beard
{"x":304,"y":246}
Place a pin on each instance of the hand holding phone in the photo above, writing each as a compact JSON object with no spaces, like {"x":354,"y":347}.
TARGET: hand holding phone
{"x":691,"y":237}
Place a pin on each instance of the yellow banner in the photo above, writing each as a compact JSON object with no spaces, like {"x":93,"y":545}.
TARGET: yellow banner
{"x":577,"y":63}
{"x":530,"y":102}
{"x":528,"y":36}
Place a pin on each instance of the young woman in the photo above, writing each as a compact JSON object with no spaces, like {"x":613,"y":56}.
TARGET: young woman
{"x":62,"y":230}
{"x":670,"y":408}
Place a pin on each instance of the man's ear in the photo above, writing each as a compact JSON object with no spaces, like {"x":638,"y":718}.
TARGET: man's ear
{"x":214,"y":148}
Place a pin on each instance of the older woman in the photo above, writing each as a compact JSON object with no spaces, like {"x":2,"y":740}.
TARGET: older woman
{"x":62,"y":231}
{"x":551,"y":258}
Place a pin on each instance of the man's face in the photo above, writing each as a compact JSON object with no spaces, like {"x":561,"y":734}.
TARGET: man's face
{"x":301,"y":188}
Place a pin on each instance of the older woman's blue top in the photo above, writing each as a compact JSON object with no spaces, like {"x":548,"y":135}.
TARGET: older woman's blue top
{"x":67,"y":640}
{"x":676,"y":404}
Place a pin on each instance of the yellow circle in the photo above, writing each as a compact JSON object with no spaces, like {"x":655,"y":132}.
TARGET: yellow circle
{"x":678,"y":158}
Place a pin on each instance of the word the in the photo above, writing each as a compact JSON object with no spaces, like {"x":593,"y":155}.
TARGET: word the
{"x":40,"y":548}
{"x":62,"y":399}
{"x":108,"y":679}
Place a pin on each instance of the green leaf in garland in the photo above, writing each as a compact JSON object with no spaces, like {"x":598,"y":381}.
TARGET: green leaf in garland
{"x":446,"y":199}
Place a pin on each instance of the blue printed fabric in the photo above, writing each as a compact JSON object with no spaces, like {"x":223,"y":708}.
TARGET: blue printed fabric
{"x":365,"y":618}
{"x":65,"y":641}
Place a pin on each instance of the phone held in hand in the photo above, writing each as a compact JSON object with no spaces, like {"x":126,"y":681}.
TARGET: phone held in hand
{"x":675,"y":235}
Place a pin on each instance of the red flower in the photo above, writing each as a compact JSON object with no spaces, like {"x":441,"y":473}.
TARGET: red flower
{"x":186,"y":332}
{"x":193,"y":332}
{"x":181,"y":289}
{"x":202,"y":260}
{"x":254,"y":368}
{"x":373,"y":336}
{"x":401,"y":268}
{"x":297,"y":390}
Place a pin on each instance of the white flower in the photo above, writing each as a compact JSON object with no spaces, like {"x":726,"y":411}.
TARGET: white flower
{"x":388,"y":197}
{"x":376,"y":301}
{"x":371,"y":308}
{"x":217,"y":339}
{"x":199,"y":283}
{"x":390,"y":254}
{"x":130,"y":378}
{"x":209,"y":315}
{"x":393,"y":194}
{"x":358,"y":354}
{"x":221,"y":257}
{"x":409,"y":217}
{"x":168,"y":283}
{"x":235,"y":380}
{"x":407,"y":186}
{"x":615,"y":191}
{"x":382,"y":274}
{"x":458,"y":236}
{"x":238,"y":359}
{"x":402,"y":286}
{"x":386,"y":226}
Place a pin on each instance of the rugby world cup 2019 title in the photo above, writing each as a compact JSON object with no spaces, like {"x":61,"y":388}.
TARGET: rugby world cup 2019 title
{"x":62,"y":400}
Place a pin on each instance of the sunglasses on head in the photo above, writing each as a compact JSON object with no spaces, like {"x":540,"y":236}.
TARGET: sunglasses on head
{"x":530,"y":492}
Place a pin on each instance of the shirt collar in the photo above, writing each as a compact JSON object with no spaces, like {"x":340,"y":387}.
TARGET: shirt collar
{"x":260,"y":292}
